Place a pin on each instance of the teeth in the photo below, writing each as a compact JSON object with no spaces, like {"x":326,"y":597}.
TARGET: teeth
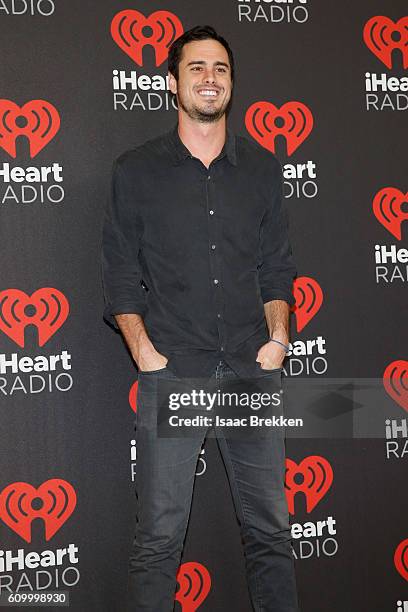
{"x":208,"y":92}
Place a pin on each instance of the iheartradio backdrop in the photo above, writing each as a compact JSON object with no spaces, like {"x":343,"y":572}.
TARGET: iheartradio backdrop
{"x":324,"y":86}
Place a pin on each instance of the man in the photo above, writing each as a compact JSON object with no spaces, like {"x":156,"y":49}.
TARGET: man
{"x":198,"y":274}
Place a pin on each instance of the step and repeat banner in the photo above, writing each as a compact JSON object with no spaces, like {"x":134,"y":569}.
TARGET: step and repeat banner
{"x":323,"y":85}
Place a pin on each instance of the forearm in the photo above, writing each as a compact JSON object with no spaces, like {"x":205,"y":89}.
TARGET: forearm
{"x":277,"y":319}
{"x":135,"y":335}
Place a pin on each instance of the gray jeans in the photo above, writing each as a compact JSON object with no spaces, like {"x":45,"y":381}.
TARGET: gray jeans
{"x":165,"y":472}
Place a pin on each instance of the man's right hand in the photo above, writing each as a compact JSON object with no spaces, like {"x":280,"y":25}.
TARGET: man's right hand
{"x":152,"y":362}
{"x":146,"y":357}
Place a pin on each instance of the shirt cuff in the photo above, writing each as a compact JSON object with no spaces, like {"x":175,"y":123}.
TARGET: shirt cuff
{"x":278,"y":294}
{"x":122,"y":308}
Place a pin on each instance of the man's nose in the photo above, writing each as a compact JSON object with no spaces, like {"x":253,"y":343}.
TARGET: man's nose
{"x":209,"y":76}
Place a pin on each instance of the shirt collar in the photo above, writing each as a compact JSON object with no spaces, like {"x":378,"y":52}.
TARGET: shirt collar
{"x":180,"y":152}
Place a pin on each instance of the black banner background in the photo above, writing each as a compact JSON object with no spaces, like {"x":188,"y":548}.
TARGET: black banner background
{"x":83,"y":435}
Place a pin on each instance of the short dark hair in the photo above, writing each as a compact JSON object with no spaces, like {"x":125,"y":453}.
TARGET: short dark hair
{"x":197,"y":33}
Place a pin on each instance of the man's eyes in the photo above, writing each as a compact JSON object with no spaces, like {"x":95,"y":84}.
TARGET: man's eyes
{"x":219,"y":68}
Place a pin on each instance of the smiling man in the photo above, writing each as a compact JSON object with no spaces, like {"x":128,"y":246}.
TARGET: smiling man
{"x":198,"y":272}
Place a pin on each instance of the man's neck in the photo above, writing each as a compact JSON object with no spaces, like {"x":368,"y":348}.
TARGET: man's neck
{"x":203,"y":140}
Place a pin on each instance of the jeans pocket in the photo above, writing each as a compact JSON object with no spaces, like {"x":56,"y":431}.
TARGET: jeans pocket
{"x":147,"y":372}
{"x":266,"y":371}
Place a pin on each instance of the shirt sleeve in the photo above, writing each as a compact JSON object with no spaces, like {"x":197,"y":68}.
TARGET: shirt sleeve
{"x":121,"y":237}
{"x":277,"y":269}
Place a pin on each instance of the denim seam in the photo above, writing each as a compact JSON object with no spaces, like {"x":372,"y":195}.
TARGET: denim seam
{"x":234,"y":484}
{"x":258,"y":595}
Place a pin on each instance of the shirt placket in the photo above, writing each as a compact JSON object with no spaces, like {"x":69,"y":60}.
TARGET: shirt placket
{"x":214,"y":253}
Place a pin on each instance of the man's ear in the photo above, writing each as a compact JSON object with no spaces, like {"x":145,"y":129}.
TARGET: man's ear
{"x":172,"y":83}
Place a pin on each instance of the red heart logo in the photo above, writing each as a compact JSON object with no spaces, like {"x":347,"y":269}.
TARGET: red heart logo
{"x":133,"y":396}
{"x":387,"y":207}
{"x":264,"y":121}
{"x":401,"y":558}
{"x":395,"y":381}
{"x":39,"y":122}
{"x":131,"y":31}
{"x":309,"y":298}
{"x":317,"y":479}
{"x":382,"y":36}
{"x":50,"y":310}
{"x":58,"y":501}
{"x":195,"y":582}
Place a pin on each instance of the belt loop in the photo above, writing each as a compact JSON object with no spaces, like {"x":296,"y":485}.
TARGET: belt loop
{"x":218,"y":370}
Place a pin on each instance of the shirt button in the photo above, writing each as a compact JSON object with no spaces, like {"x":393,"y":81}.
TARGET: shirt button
{"x":209,"y":176}
{"x":222,"y":348}
{"x":213,"y":246}
{"x":211,"y":212}
{"x":215,"y":281}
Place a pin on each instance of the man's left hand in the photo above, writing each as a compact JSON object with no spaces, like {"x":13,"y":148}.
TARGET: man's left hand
{"x":271,"y":356}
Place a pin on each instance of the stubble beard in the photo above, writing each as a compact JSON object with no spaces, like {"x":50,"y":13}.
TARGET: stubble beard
{"x":203,"y":116}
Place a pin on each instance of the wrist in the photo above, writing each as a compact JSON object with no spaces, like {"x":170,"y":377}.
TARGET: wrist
{"x":284,"y":345}
{"x":280,"y":332}
{"x":144,"y":351}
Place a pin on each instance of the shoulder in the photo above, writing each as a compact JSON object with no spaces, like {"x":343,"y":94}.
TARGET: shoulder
{"x":253,"y":155}
{"x":143,"y":155}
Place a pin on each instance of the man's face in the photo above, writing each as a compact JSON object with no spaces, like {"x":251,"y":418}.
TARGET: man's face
{"x":204,"y":86}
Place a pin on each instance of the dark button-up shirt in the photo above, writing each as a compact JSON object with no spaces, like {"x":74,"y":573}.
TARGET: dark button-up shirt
{"x":196,"y":251}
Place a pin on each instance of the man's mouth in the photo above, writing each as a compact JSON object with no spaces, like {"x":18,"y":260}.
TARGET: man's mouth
{"x":208,"y":92}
